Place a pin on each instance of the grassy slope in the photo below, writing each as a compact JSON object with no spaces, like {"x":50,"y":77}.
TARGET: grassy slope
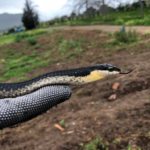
{"x":35,"y":51}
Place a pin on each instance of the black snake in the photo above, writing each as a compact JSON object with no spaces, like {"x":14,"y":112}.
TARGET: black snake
{"x":23,"y":101}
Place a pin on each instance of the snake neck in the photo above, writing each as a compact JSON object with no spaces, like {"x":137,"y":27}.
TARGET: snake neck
{"x":70,"y":77}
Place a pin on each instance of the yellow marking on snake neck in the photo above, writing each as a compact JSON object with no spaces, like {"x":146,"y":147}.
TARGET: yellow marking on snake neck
{"x":93,"y":76}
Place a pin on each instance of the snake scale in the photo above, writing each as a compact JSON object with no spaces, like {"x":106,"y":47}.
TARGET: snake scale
{"x":23,"y":101}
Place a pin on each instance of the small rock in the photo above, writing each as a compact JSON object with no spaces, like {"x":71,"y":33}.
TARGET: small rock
{"x":115,"y":86}
{"x":112,"y":97}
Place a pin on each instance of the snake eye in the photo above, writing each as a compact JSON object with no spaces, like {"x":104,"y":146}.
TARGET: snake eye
{"x":110,"y":69}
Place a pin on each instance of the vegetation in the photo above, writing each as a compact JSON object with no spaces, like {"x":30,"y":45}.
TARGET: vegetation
{"x":12,"y":38}
{"x":63,"y":124}
{"x":95,"y":144}
{"x":127,"y":17}
{"x":32,"y":40}
{"x":17,"y":63}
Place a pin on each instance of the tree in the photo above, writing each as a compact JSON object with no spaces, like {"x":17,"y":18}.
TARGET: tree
{"x":80,"y":5}
{"x":141,"y":6}
{"x":30,"y":18}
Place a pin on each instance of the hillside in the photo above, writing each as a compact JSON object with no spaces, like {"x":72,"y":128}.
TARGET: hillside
{"x":128,"y":18}
{"x":90,"y":120}
{"x":8,"y":21}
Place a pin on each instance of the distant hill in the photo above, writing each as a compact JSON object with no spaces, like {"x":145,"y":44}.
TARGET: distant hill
{"x":8,"y":21}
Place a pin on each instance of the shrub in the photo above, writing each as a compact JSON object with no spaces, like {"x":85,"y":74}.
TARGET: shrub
{"x":32,"y":41}
{"x":126,"y":37}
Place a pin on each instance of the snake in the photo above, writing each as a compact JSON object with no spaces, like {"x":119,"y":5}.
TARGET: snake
{"x":22,"y":101}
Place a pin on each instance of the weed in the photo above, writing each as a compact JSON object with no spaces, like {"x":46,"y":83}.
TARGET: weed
{"x":51,"y":47}
{"x":99,"y":31}
{"x":147,"y":33}
{"x":95,"y":144}
{"x":44,"y":63}
{"x":22,"y":79}
{"x":147,"y":45}
{"x":116,"y":141}
{"x":129,"y":147}
{"x":60,"y":39}
{"x":63,"y":48}
{"x":71,"y":54}
{"x":94,"y":43}
{"x":125,"y":68}
{"x":18,"y":39}
{"x":32,"y":40}
{"x":46,"y":54}
{"x":63,"y":124}
{"x":74,"y":44}
{"x":37,"y":46}
{"x":141,"y":68}
{"x":12,"y":38}
{"x":110,"y":34}
{"x":127,"y":37}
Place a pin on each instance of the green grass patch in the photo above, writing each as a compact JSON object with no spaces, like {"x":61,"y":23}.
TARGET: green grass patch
{"x":32,"y":40}
{"x":66,"y":45}
{"x":63,"y":124}
{"x":16,"y":66}
{"x":127,"y":37}
{"x":13,"y":38}
{"x":95,"y":144}
{"x":121,"y":39}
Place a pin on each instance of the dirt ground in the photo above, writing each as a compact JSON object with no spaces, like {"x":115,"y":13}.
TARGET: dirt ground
{"x":107,"y":28}
{"x":121,"y":122}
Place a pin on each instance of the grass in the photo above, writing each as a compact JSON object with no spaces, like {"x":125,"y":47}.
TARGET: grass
{"x":95,"y":144}
{"x":66,"y":45}
{"x":16,"y":66}
{"x":63,"y":124}
{"x":13,"y":38}
{"x":32,"y":40}
{"x":123,"y":40}
{"x":15,"y":63}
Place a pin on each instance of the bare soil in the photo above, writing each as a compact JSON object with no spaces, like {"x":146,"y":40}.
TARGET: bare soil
{"x":88,"y":112}
{"x":107,"y":28}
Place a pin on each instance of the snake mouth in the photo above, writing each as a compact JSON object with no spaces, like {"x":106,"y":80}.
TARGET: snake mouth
{"x":127,"y":72}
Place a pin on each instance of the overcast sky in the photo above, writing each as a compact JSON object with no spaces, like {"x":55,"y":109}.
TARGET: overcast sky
{"x":47,"y":9}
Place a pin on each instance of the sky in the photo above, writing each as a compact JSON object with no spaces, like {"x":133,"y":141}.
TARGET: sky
{"x":47,"y":9}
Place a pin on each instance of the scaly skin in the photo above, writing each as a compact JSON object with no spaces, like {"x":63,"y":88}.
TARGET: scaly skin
{"x":23,"y":108}
{"x":77,"y":76}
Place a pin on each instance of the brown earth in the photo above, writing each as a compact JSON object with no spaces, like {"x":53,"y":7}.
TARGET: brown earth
{"x":107,"y":28}
{"x":89,"y":113}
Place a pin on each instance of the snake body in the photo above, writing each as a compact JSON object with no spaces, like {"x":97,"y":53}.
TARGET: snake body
{"x":26,"y":107}
{"x":22,"y":101}
{"x":71,"y":76}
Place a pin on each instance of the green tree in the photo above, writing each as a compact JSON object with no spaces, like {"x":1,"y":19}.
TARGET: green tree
{"x":30,"y":18}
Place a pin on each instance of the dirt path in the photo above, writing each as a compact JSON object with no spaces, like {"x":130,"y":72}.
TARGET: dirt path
{"x":141,"y":29}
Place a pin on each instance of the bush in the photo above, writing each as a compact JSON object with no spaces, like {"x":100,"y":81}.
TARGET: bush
{"x":18,"y":38}
{"x":126,"y":37}
{"x":32,"y":41}
{"x":119,"y":21}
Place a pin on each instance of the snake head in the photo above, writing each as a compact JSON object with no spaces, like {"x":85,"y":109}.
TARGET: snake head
{"x":127,"y":72}
{"x":108,"y":69}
